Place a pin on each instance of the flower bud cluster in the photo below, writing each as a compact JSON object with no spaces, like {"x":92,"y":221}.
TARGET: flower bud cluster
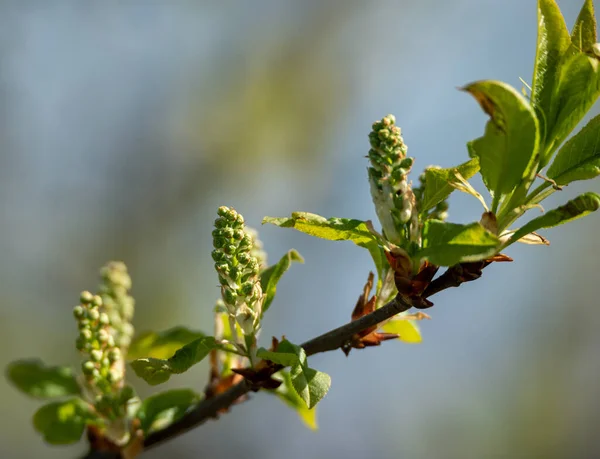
{"x":117,"y":302}
{"x":391,"y":192}
{"x":238,"y":270}
{"x":104,"y":366}
{"x":440,"y":211}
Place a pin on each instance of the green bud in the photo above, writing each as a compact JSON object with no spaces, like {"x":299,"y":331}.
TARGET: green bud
{"x":229,"y":249}
{"x":217,"y":255}
{"x":223,"y":211}
{"x":238,"y":234}
{"x":220,"y":222}
{"x":78,"y":311}
{"x":88,"y":367}
{"x":80,"y":343}
{"x":246,"y":243}
{"x":229,"y":296}
{"x":103,"y":335}
{"x":247,"y":289}
{"x":94,"y":314}
{"x":227,"y":232}
{"x":96,"y":355}
{"x":235,"y":272}
{"x":97,"y":300}
{"x":244,"y":258}
{"x":114,"y":354}
{"x":103,"y":318}
{"x":86,"y":297}
{"x":85,"y":334}
{"x":253,"y":264}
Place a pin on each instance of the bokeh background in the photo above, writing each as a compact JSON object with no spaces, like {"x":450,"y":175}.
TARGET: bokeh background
{"x":124,"y":125}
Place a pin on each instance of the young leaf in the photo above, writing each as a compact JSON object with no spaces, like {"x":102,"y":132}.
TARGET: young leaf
{"x":576,"y":208}
{"x":311,"y":385}
{"x":271,"y":276}
{"x":507,"y":151}
{"x":333,"y":229}
{"x":407,"y":330}
{"x":446,"y":244}
{"x":161,"y":345}
{"x":63,"y":422}
{"x":162,"y":409}
{"x":157,"y":371}
{"x":579,"y":158}
{"x":37,"y":380}
{"x":553,"y":41}
{"x":438,"y":182}
{"x":287,"y":394}
{"x":578,"y":90}
{"x":583,"y":35}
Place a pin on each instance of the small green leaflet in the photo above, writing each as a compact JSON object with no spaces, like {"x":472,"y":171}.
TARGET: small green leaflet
{"x":438,"y":182}
{"x":584,"y":35}
{"x":310,"y":385}
{"x":288,"y":395}
{"x":63,"y":422}
{"x":553,"y":41}
{"x":407,"y":330}
{"x":161,"y":345}
{"x":576,"y":208}
{"x":37,"y":380}
{"x":157,"y":371}
{"x":507,"y":151}
{"x":335,"y":229}
{"x":579,"y":158}
{"x":578,"y":90}
{"x":447,"y":244}
{"x":164,"y":408}
{"x":269,"y":278}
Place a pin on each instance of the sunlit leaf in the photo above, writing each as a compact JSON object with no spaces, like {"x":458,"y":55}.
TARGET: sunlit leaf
{"x":35,"y":379}
{"x":438,"y":182}
{"x":63,"y":422}
{"x":157,"y":371}
{"x":553,"y":41}
{"x":507,"y":151}
{"x":310,"y":385}
{"x":576,"y":208}
{"x":579,"y":158}
{"x":164,"y":408}
{"x":446,"y":244}
{"x":269,"y":278}
{"x":407,"y":330}
{"x":161,"y":345}
{"x":288,"y":395}
{"x":578,"y":90}
{"x":584,"y":35}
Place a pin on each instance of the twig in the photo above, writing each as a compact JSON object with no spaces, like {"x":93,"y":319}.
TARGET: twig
{"x":329,"y":341}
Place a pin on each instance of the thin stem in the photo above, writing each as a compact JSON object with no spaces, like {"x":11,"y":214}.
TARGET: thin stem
{"x":332,"y":340}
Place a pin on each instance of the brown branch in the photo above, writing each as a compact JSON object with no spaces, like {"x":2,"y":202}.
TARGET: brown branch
{"x":332,"y":340}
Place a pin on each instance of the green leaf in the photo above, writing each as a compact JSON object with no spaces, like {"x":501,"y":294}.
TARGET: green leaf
{"x":159,"y":410}
{"x":584,"y":35}
{"x":578,"y":90}
{"x":333,"y":229}
{"x":157,"y":371}
{"x":63,"y":422}
{"x":507,"y":151}
{"x":161,"y":345}
{"x":553,"y":41}
{"x":579,"y":158}
{"x":270,"y":277}
{"x":37,"y":380}
{"x":576,"y":208}
{"x":310,"y":385}
{"x":407,"y":330}
{"x":288,"y":395}
{"x":438,"y":182}
{"x":446,"y":244}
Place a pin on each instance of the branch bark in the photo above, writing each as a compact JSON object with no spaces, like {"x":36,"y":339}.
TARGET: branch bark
{"x":329,"y":341}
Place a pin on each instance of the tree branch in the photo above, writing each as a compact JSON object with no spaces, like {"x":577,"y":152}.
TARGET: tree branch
{"x":332,"y":340}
